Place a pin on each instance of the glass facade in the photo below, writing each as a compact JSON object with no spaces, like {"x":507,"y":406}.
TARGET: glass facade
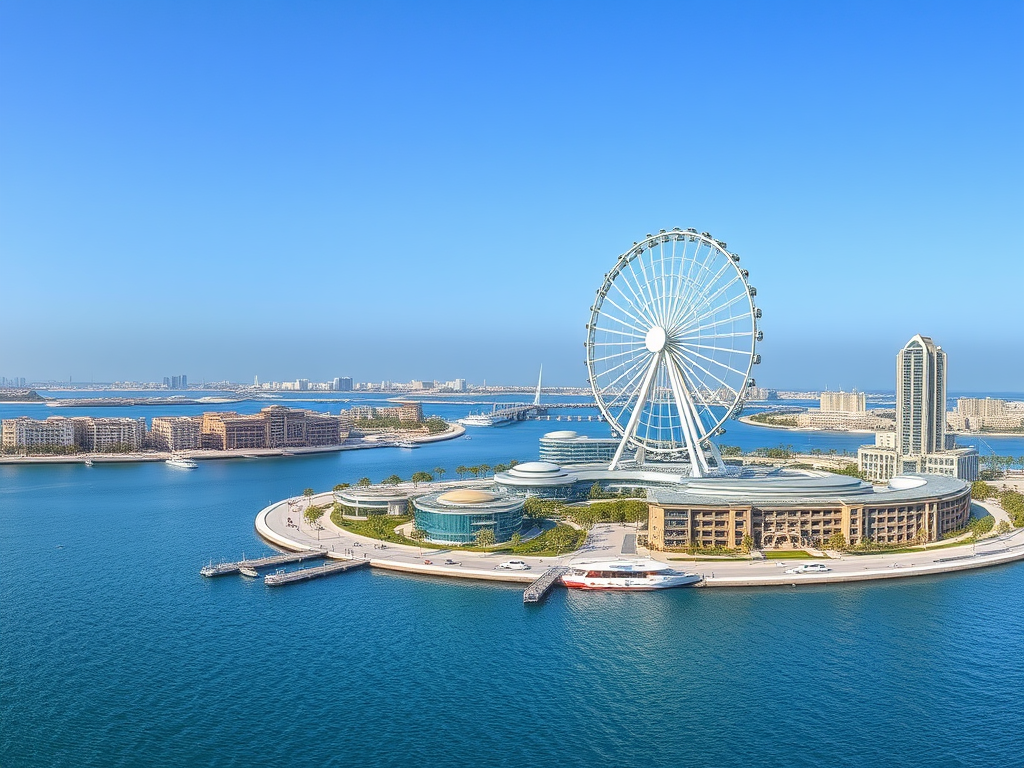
{"x":457,"y":517}
{"x":462,"y":527}
{"x":570,"y":448}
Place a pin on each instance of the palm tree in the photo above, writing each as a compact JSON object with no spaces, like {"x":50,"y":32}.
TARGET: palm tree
{"x":461,"y":470}
{"x":439,"y":471}
{"x":484,"y":469}
{"x":364,"y":482}
{"x":308,"y":493}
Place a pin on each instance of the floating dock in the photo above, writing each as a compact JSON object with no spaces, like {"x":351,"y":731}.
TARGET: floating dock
{"x":539,"y":589}
{"x":306,"y":574}
{"x":225,"y":569}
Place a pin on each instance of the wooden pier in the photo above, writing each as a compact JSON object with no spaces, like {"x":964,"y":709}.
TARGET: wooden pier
{"x":315,"y":572}
{"x":224,"y":569}
{"x":539,"y":589}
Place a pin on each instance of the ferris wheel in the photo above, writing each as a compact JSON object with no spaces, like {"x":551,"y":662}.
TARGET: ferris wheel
{"x":670,"y":345}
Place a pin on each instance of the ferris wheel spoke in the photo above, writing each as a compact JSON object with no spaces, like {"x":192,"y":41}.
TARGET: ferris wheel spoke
{"x":697,"y":274}
{"x":713,"y":361}
{"x":664,"y":283}
{"x":708,"y":308}
{"x":625,"y":338}
{"x":636,"y":371}
{"x":694,"y":364}
{"x":727,"y":305}
{"x":707,"y":299}
{"x":698,"y":329}
{"x":633,"y":317}
{"x":617,"y":332}
{"x":707,"y":406}
{"x":634,"y":417}
{"x":635,"y":302}
{"x":647,"y":283}
{"x":685,"y":284}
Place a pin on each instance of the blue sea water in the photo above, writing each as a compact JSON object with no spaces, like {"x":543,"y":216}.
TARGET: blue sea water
{"x":115,"y":652}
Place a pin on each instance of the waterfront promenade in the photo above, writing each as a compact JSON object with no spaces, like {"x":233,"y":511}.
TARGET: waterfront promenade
{"x":610,"y":540}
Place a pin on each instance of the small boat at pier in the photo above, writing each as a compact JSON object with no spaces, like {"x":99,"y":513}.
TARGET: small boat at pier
{"x":181,"y":462}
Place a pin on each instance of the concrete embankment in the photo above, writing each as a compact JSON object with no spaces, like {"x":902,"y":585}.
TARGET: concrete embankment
{"x":942,"y":565}
{"x":454,"y":431}
{"x":281,"y":525}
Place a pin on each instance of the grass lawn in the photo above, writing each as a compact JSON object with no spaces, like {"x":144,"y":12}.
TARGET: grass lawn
{"x":539,"y":546}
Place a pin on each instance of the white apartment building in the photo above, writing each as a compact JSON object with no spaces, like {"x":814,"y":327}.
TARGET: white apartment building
{"x":920,"y":443}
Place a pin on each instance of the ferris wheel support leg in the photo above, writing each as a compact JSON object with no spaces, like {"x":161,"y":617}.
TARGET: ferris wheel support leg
{"x":698,"y":464}
{"x":634,"y":418}
{"x":717,"y":456}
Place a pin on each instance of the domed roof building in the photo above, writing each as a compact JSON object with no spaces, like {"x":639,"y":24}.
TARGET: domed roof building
{"x":537,"y":478}
{"x":457,"y":516}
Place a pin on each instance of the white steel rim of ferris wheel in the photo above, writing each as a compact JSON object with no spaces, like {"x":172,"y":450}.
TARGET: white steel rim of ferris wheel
{"x":670,"y":345}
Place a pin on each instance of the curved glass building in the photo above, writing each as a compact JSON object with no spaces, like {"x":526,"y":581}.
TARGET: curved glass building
{"x":568,"y":447}
{"x":455,"y":517}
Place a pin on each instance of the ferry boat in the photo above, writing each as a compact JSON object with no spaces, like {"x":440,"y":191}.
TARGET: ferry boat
{"x":483,"y":420}
{"x":181,"y":462}
{"x":626,"y":575}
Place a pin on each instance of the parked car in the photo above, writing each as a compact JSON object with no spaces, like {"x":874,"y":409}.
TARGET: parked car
{"x":810,"y":568}
{"x":514,"y":565}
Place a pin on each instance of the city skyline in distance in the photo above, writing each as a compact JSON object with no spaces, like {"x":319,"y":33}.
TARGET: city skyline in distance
{"x":278,"y":231}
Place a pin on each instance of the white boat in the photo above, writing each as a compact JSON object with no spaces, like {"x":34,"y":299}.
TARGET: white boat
{"x":626,"y":575}
{"x":251,"y":573}
{"x":88,"y":462}
{"x":483,"y":420}
{"x":406,"y":444}
{"x":181,"y":462}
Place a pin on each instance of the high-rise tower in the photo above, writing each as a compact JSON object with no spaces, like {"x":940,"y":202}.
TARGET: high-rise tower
{"x":920,"y":398}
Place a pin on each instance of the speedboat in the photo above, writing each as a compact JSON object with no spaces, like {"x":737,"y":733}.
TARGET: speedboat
{"x":181,"y":462}
{"x":88,"y":462}
{"x":626,"y":575}
{"x":406,"y":444}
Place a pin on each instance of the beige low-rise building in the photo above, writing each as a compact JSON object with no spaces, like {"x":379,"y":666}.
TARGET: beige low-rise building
{"x":102,"y":435}
{"x":274,"y":427}
{"x":843,"y":402}
{"x":177,"y":433}
{"x":23,"y":432}
{"x":791,"y":511}
{"x":844,"y":421}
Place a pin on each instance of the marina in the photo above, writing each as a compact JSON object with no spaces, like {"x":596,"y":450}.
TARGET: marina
{"x":539,"y":589}
{"x":316,"y":572}
{"x":271,"y":561}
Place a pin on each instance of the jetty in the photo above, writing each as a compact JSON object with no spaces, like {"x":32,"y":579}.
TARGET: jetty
{"x":225,"y":569}
{"x":539,"y":589}
{"x":315,"y":572}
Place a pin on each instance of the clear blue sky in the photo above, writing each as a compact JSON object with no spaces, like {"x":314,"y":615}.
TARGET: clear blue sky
{"x":432,"y":190}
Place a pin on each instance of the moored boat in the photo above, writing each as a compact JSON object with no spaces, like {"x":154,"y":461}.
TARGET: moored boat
{"x":181,"y":462}
{"x":626,"y":575}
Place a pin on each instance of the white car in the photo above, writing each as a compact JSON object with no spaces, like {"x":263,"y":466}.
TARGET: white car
{"x":514,"y":565}
{"x":809,"y":568}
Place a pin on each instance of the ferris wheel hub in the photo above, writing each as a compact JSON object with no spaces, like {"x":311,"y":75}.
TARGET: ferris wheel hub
{"x":656,"y":338}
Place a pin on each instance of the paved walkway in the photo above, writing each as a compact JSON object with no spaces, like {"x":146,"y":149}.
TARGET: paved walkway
{"x":606,"y":541}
